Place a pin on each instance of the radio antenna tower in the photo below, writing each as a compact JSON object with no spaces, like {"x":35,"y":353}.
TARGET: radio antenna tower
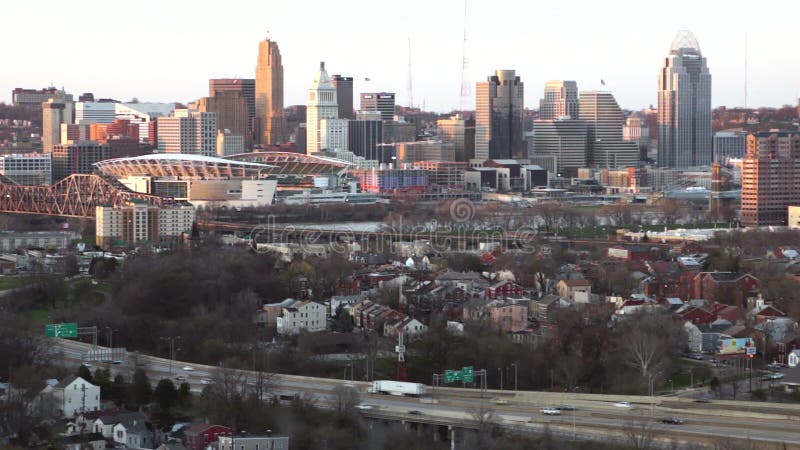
{"x":400,"y":348}
{"x":745,"y":70}
{"x":410,"y":86}
{"x":466,"y":84}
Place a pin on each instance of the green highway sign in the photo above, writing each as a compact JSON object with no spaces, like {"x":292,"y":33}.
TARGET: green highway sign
{"x":467,"y":374}
{"x":61,"y":330}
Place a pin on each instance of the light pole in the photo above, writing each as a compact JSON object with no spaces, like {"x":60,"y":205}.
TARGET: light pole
{"x":501,"y":377}
{"x":515,"y":375}
{"x":652,"y":400}
{"x":344,"y":377}
{"x":171,"y":350}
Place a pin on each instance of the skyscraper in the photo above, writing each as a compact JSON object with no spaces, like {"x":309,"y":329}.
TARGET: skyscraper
{"x":321,"y":111}
{"x":271,"y":128}
{"x":245,"y":86}
{"x":231,"y":110}
{"x":188,"y":132}
{"x":684,"y":106}
{"x":605,"y":120}
{"x":565,"y":140}
{"x":379,"y":101}
{"x":52,"y":118}
{"x":560,"y":99}
{"x":344,"y":96}
{"x":498,"y":117}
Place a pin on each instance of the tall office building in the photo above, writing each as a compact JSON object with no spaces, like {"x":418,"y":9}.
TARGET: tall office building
{"x":29,"y":169}
{"x":52,"y":118}
{"x":563,"y":140}
{"x":231,"y":110}
{"x":35,"y":97}
{"x":244,"y":86}
{"x":729,"y":144}
{"x":95,"y":112}
{"x":364,"y":137}
{"x":321,"y":105}
{"x":770,"y":177}
{"x":684,"y":106}
{"x":605,"y":120}
{"x":461,"y":133}
{"x":271,"y":124}
{"x":498,"y":117}
{"x":78,"y":158}
{"x":382,"y":102}
{"x":560,"y":100}
{"x":189,"y":132}
{"x":344,"y":96}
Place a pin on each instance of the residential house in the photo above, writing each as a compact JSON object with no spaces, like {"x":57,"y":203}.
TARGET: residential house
{"x":253,"y":442}
{"x":508,"y":317}
{"x":274,"y":310}
{"x":199,"y":435}
{"x":345,"y":301}
{"x":696,"y":315}
{"x":85,"y":441}
{"x":636,"y":305}
{"x":541,"y":310}
{"x":731,"y":288}
{"x":505,"y":288}
{"x":793,"y":359}
{"x":568,"y":288}
{"x":630,"y":253}
{"x":134,"y":432}
{"x":731,"y":313}
{"x":73,"y":396}
{"x":302,"y":315}
{"x":410,"y":327}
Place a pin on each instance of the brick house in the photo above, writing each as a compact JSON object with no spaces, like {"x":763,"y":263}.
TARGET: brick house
{"x":730,"y":288}
{"x":199,"y":435}
{"x":504,"y":289}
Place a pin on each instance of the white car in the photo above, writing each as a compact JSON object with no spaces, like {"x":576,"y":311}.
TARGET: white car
{"x":364,"y":407}
{"x":206,"y":381}
{"x":550,"y":412}
{"x":180,"y":378}
{"x":188,"y":368}
{"x":87,"y":365}
{"x":622,"y":405}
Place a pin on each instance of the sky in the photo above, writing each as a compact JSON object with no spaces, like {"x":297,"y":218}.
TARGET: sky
{"x":164,"y":51}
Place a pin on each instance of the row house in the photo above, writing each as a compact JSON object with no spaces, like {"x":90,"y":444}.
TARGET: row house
{"x":732,"y":288}
{"x":542,"y":309}
{"x":571,"y":289}
{"x":199,"y":436}
{"x":506,"y":288}
{"x":508,"y":317}
{"x":302,"y":316}
{"x":370,"y":315}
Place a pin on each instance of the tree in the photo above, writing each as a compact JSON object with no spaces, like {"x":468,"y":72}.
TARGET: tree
{"x":70,"y":266}
{"x":485,"y":422}
{"x":85,"y":373}
{"x":165,"y":394}
{"x":184,"y":395}
{"x":648,"y":341}
{"x":464,"y":262}
{"x":343,"y":322}
{"x":101,"y":268}
{"x":140,"y":390}
{"x":640,"y":432}
{"x":345,"y":399}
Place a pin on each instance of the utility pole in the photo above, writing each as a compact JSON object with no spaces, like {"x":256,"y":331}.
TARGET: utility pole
{"x":515,"y":375}
{"x":171,"y":350}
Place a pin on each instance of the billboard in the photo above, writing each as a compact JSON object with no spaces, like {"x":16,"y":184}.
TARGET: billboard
{"x":741,"y":346}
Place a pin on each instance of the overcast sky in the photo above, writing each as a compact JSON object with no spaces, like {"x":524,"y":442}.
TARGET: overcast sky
{"x":159,"y":50}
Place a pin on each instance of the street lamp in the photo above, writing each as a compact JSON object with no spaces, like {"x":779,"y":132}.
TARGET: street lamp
{"x":652,"y":400}
{"x":515,"y":375}
{"x":171,"y":350}
{"x":501,"y":377}
{"x":344,"y":377}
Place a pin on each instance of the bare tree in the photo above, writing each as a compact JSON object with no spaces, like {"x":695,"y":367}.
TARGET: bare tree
{"x":344,"y":401}
{"x":640,"y":432}
{"x":485,"y":423}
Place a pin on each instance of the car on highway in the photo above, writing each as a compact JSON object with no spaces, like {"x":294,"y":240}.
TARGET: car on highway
{"x":116,"y":362}
{"x":702,"y":400}
{"x":550,"y":412}
{"x":180,"y":378}
{"x":87,"y":365}
{"x":188,"y":368}
{"x":772,"y":376}
{"x":566,"y":408}
{"x":623,"y":405}
{"x":364,"y":407}
{"x":500,"y":401}
{"x":414,"y":412}
{"x":672,"y":421}
{"x":206,"y":381}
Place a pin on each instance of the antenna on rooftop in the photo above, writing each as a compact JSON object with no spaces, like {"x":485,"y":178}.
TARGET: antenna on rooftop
{"x":745,"y":69}
{"x":410,"y":86}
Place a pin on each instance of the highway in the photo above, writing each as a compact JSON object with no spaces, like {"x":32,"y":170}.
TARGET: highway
{"x":595,"y":415}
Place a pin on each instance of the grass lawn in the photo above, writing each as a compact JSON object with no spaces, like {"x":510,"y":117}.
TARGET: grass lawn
{"x":9,"y":283}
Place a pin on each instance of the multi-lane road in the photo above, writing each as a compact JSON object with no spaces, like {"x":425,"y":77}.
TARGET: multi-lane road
{"x":594,"y":415}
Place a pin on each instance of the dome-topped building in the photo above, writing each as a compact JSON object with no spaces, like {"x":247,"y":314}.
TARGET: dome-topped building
{"x":684,"y":106}
{"x":324,"y":129}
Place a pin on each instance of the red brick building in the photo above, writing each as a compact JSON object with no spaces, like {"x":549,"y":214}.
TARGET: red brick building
{"x":730,"y":288}
{"x":199,"y":435}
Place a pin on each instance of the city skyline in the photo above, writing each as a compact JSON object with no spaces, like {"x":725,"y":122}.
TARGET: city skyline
{"x":542,"y":53}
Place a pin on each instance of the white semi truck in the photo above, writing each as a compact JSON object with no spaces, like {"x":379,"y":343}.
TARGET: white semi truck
{"x":396,"y":388}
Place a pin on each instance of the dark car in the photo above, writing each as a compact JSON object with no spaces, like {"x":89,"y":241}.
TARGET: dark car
{"x":414,"y":412}
{"x":566,"y":408}
{"x":672,"y":421}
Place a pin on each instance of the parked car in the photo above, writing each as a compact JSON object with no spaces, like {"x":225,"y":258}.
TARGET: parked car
{"x":696,"y":356}
{"x":772,"y":376}
{"x":622,"y":405}
{"x":550,"y":411}
{"x":672,"y":421}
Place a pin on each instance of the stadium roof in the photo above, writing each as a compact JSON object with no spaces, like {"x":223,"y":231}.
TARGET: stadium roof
{"x":180,"y":165}
{"x":289,"y":163}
